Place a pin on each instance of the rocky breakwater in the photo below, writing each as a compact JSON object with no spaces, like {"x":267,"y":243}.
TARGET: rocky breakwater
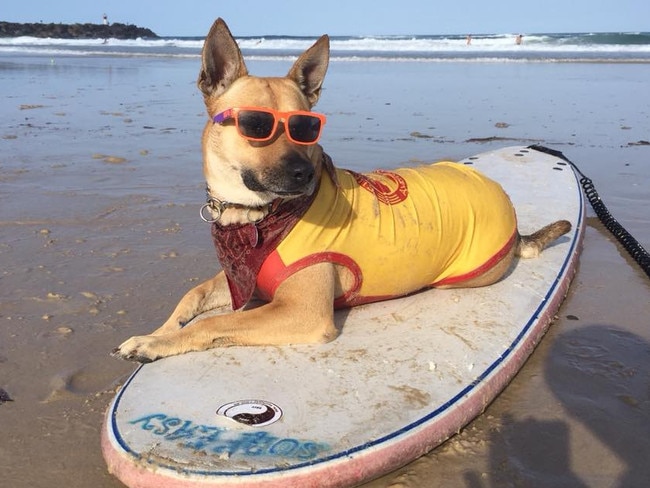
{"x":75,"y":31}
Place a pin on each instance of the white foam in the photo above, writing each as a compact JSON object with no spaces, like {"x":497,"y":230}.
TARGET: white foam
{"x":367,"y":48}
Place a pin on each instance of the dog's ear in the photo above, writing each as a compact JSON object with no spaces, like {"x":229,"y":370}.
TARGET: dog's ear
{"x":222,"y":61}
{"x":309,"y":69}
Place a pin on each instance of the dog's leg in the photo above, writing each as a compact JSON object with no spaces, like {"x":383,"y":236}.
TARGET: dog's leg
{"x":301,"y":312}
{"x":209,"y":295}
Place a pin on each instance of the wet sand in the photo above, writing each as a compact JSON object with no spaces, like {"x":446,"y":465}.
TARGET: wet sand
{"x":100,"y":236}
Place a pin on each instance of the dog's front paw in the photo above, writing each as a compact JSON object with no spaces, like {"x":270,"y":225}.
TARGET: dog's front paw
{"x":142,"y":349}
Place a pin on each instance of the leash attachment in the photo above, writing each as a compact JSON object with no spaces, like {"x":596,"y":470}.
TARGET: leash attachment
{"x":213,"y":208}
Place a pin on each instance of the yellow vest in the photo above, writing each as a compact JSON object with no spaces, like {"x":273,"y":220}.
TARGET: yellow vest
{"x":398,"y":231}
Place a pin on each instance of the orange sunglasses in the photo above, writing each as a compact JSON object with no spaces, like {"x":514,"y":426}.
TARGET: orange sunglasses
{"x":260,"y":124}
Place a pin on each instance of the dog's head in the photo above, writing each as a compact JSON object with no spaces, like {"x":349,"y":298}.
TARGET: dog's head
{"x":241,"y":169}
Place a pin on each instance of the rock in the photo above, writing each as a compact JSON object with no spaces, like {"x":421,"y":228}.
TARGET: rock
{"x":4,"y":397}
{"x":75,"y":31}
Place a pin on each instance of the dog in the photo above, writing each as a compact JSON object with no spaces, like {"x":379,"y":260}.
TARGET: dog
{"x":300,"y":234}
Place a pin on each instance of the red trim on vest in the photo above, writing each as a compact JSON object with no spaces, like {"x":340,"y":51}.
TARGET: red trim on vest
{"x":489,"y":264}
{"x":273,"y":272}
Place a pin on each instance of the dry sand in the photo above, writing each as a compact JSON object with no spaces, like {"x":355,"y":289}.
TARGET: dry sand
{"x":100,"y":235}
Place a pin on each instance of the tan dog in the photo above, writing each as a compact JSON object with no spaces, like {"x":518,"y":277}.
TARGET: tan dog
{"x":265,"y":176}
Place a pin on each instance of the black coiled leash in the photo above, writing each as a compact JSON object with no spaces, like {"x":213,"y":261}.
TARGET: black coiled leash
{"x":631,"y":245}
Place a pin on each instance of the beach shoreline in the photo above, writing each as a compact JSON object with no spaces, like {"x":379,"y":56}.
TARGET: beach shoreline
{"x":100,"y":236}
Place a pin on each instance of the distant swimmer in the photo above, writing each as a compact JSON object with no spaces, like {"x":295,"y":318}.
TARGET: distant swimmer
{"x":519,"y":39}
{"x":469,"y":39}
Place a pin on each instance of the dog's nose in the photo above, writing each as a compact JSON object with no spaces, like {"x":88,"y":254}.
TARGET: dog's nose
{"x":299,"y":172}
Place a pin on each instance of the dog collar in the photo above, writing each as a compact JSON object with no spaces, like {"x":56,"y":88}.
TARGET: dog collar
{"x":213,"y":208}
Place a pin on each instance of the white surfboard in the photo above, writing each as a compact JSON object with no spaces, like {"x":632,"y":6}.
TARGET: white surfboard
{"x":403,"y":376}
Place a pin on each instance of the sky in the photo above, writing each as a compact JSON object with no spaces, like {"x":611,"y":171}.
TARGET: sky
{"x":344,"y":17}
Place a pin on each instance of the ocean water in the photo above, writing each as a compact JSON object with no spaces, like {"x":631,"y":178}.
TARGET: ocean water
{"x":571,"y":47}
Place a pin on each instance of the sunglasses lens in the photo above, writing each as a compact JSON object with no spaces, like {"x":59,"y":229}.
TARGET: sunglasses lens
{"x":256,"y":124}
{"x":304,"y":128}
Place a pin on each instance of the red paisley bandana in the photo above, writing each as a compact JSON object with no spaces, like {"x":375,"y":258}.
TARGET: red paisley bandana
{"x":242,"y":249}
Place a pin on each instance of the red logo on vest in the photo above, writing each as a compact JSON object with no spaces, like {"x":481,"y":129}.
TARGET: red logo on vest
{"x":394,"y":192}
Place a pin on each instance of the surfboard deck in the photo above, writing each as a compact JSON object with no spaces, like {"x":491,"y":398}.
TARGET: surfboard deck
{"x":403,"y":376}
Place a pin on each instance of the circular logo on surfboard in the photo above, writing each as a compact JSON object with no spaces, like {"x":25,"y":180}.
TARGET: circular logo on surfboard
{"x":256,"y":413}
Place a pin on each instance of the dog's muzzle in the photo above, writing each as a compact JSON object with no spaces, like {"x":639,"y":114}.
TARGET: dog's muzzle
{"x":291,"y":176}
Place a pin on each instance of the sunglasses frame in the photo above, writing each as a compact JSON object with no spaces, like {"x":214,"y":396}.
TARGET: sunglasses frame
{"x":233,"y":113}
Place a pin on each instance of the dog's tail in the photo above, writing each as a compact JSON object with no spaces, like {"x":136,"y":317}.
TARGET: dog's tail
{"x":531,"y":245}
